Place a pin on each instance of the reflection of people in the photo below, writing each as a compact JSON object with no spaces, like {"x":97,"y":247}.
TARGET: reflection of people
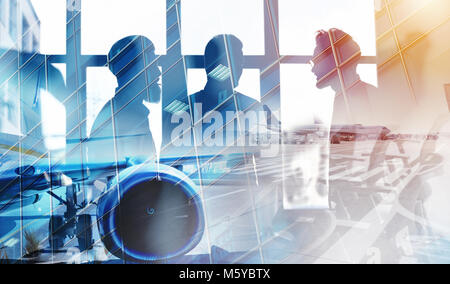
{"x":225,"y":122}
{"x":224,"y":62}
{"x":335,"y":66}
{"x":122,"y":127}
{"x":335,"y":62}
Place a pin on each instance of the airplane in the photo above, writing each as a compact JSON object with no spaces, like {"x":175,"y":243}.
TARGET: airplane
{"x":140,"y":197}
{"x":338,"y":133}
{"x":358,"y":132}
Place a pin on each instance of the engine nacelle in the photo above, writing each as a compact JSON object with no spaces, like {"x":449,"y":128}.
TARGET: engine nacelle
{"x":150,"y":213}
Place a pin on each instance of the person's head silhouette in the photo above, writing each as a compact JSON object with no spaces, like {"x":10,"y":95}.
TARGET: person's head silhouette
{"x":224,"y":61}
{"x":129,"y":57}
{"x":324,"y":63}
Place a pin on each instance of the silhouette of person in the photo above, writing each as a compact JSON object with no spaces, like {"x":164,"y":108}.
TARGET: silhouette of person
{"x":122,"y":128}
{"x":224,"y":63}
{"x":335,"y":62}
{"x":353,"y":96}
{"x":335,"y":65}
{"x":353,"y":105}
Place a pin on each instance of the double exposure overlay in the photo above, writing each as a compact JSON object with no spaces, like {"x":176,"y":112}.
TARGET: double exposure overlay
{"x":224,"y":131}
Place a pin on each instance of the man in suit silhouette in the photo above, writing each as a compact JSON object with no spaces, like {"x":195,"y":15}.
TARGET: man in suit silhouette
{"x":353,"y":96}
{"x":224,"y":63}
{"x":121,"y":129}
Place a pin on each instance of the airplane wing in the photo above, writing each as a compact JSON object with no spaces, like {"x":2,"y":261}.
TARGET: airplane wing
{"x":27,"y":171}
{"x":13,"y":144}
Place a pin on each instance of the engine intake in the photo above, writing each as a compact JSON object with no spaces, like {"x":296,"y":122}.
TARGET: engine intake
{"x":150,"y":213}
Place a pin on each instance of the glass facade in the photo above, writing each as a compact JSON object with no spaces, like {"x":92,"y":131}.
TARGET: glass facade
{"x":409,"y":42}
{"x":412,"y":49}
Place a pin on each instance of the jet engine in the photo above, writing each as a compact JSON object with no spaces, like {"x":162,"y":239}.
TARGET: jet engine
{"x":150,"y":213}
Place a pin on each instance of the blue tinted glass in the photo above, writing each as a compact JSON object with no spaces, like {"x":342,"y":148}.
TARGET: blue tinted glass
{"x":122,"y":56}
{"x":131,"y":70}
{"x":131,"y":90}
